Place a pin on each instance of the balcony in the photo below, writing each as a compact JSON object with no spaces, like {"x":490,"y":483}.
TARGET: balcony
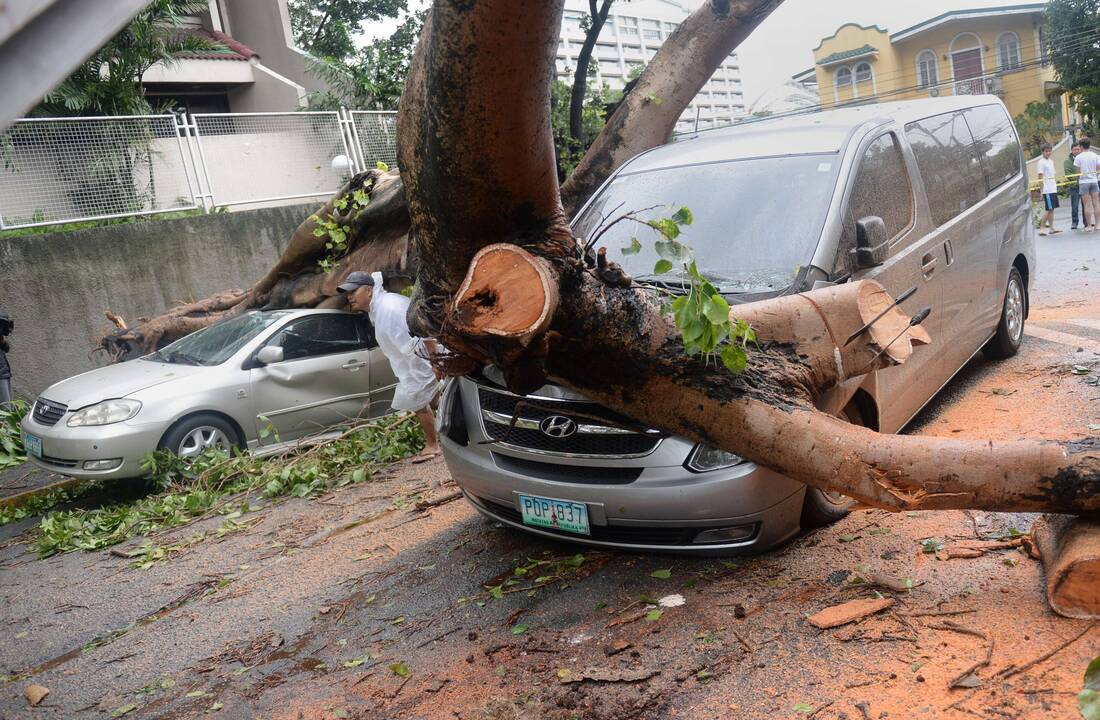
{"x":989,"y":85}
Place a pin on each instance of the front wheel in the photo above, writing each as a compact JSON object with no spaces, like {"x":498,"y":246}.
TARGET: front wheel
{"x":822,"y":508}
{"x":193,"y":436}
{"x":1010,"y":330}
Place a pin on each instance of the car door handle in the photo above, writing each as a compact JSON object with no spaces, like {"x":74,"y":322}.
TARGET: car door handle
{"x":353,"y":365}
{"x":928,"y":264}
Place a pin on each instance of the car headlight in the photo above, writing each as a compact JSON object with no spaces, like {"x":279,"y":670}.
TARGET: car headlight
{"x":105,"y":413}
{"x":705,"y":458}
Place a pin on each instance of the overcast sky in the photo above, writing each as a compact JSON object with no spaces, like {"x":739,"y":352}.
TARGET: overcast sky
{"x":783,"y":44}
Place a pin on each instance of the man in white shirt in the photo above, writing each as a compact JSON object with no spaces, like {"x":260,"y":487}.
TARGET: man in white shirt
{"x":1047,"y":175}
{"x":1087,"y":162}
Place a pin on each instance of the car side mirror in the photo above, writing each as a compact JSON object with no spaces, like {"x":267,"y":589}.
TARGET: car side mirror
{"x":870,"y":241}
{"x":270,"y":354}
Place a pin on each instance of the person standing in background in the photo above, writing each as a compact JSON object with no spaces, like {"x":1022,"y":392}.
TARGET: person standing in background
{"x":5,"y":368}
{"x":1048,"y":176}
{"x":1087,"y":163}
{"x":1074,"y":188}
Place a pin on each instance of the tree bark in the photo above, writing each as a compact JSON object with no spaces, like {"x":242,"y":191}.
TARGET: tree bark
{"x":598,"y":14}
{"x":647,"y":115}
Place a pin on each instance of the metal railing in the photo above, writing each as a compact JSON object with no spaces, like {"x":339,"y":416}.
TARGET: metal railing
{"x":62,"y":170}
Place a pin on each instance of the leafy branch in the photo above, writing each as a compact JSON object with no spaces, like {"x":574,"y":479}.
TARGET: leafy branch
{"x":702,"y":314}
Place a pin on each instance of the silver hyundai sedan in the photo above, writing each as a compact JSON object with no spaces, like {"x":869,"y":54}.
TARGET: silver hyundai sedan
{"x":257,"y":381}
{"x":929,"y":195}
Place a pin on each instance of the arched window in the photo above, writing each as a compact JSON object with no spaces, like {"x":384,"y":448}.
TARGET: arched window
{"x":1008,"y":51}
{"x":863,"y":72}
{"x":928,"y":69}
{"x":843,"y":76}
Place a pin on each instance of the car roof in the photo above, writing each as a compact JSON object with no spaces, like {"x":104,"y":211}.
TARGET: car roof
{"x":820,"y":132}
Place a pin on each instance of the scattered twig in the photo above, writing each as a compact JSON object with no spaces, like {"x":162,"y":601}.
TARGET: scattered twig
{"x":975,"y":667}
{"x":956,"y":627}
{"x":1011,"y":670}
{"x":938,"y":613}
{"x":423,"y":505}
{"x":744,"y":643}
{"x":819,"y":709}
{"x":863,"y":710}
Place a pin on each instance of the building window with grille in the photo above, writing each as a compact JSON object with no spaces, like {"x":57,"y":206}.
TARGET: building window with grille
{"x":843,"y":77}
{"x":651,"y":30}
{"x":628,"y":26}
{"x":863,"y":72}
{"x":1008,"y":51}
{"x":928,"y":69}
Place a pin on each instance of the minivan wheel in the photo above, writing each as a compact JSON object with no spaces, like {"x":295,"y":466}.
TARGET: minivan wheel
{"x":1010,"y":330}
{"x":821,"y":507}
{"x":192,"y":436}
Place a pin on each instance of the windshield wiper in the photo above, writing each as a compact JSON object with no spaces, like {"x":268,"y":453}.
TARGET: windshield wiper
{"x":182,"y":359}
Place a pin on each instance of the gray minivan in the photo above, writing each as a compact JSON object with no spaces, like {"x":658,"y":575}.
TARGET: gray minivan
{"x":781,"y":206}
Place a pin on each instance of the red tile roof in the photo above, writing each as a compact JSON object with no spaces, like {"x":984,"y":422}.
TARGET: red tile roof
{"x":234,"y":49}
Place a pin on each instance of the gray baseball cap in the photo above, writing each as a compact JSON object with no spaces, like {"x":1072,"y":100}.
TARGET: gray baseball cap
{"x":356,"y":280}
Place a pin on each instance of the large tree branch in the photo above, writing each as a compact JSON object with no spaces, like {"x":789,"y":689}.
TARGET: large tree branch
{"x":598,"y":17}
{"x":648,"y":114}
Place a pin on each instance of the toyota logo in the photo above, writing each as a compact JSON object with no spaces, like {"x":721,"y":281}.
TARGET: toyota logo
{"x":558,"y":426}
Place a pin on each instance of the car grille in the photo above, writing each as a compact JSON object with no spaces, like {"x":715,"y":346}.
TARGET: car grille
{"x":601,"y":433}
{"x":577,"y":474}
{"x":59,"y":462}
{"x":624,"y":534}
{"x":47,"y":412}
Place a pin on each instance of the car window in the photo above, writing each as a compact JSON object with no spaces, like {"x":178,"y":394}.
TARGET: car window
{"x":995,"y":142}
{"x":950,"y":170}
{"x":366,"y":331}
{"x":881,"y":188}
{"x":319,"y":335}
{"x":215,"y":344}
{"x":756,"y":221}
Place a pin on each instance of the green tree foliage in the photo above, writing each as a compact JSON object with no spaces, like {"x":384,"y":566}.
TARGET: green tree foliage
{"x":328,"y":28}
{"x":1073,"y":45}
{"x":1037,"y":125}
{"x":109,"y":82}
{"x":374,"y":76}
{"x":598,"y":101}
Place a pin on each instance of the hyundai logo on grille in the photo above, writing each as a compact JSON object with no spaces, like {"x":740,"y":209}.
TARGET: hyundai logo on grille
{"x":558,"y":426}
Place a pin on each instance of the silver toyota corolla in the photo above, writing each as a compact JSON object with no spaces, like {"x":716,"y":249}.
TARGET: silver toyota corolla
{"x":255,"y":381}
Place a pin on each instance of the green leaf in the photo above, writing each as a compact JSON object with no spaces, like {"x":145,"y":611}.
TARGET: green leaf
{"x":666,"y":227}
{"x":357,"y":661}
{"x":662,"y":574}
{"x":400,"y":669}
{"x":382,"y":166}
{"x":662,"y":267}
{"x":717,"y":309}
{"x":340,"y":713}
{"x":654,"y":615}
{"x":519,"y":629}
{"x":1088,"y":700}
{"x":497,"y":591}
{"x":215,"y":707}
{"x":195,"y":693}
{"x":683,"y":216}
{"x":634,"y":248}
{"x":575,"y":561}
{"x":120,"y":711}
{"x":671,"y":250}
{"x":734,"y":358}
{"x":803,"y":708}
{"x":846,"y":538}
{"x":501,"y":671}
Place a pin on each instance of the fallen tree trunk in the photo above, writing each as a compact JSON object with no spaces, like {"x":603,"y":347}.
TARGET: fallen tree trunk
{"x":1070,"y":550}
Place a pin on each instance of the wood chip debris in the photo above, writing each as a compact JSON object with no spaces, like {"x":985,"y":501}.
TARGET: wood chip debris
{"x":595,"y":674}
{"x":36,"y":693}
{"x":851,"y":611}
{"x":977,"y":548}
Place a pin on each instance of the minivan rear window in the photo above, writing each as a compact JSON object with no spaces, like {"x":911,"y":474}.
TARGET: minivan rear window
{"x":996,"y":143}
{"x":756,"y":221}
{"x":949,"y":166}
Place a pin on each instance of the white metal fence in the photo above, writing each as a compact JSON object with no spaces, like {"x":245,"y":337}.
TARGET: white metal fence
{"x":58,"y":170}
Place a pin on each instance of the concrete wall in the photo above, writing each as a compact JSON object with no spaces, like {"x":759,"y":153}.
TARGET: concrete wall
{"x":56,"y":286}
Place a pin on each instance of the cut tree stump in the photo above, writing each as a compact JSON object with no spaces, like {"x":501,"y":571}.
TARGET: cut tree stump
{"x":1070,"y":551}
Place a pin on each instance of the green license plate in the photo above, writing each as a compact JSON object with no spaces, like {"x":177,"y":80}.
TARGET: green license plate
{"x":557,"y":514}
{"x":32,"y":444}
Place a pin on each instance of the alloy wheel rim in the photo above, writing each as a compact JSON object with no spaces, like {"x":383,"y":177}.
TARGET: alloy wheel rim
{"x":202,"y":439}
{"x":1014,"y":311}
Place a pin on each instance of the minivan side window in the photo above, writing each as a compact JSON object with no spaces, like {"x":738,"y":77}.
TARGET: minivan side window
{"x":950,"y":169}
{"x":881,"y":188}
{"x":996,"y":143}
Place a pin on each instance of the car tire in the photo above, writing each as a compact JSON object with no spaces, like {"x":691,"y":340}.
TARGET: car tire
{"x":192,"y":435}
{"x":1010,"y":329}
{"x":821,"y":508}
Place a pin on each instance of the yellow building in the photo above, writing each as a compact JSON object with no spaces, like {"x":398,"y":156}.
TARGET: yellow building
{"x":998,"y":51}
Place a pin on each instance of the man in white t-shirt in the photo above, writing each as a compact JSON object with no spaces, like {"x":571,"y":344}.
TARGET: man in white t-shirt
{"x":1048,"y":176}
{"x":1087,"y":162}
